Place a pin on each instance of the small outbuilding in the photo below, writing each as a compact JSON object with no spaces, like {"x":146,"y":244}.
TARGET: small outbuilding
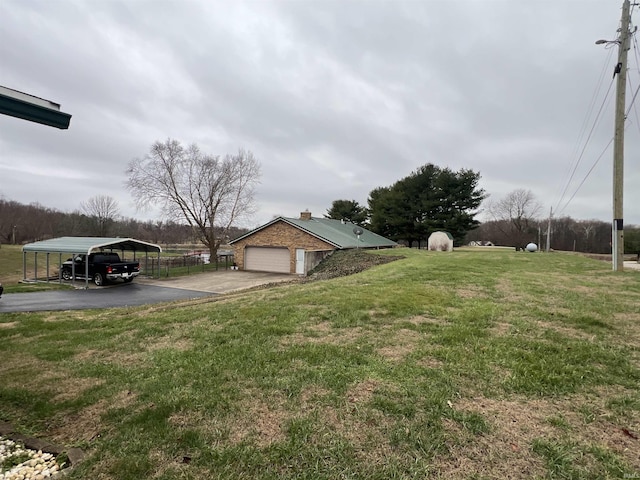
{"x":297,"y":245}
{"x":84,"y":245}
{"x":440,"y":242}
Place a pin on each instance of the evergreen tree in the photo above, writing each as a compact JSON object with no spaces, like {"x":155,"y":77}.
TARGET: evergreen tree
{"x":428,"y":200}
{"x":348,"y":210}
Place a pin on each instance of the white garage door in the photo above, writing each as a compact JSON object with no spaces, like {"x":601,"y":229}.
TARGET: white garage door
{"x":267,"y":259}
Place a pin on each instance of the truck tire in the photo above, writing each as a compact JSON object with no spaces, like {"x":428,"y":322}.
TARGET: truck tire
{"x":98,"y":279}
{"x":128,"y":280}
{"x":66,"y":274}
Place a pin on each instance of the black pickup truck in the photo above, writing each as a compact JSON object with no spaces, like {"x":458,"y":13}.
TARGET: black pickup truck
{"x":103,"y":267}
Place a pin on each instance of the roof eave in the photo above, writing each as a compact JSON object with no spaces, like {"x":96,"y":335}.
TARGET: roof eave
{"x":15,"y":107}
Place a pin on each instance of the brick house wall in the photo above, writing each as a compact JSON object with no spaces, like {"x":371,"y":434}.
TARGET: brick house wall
{"x":279,"y":234}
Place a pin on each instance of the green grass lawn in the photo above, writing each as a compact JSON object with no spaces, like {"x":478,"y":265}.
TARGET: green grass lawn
{"x":10,"y":263}
{"x":475,"y":364}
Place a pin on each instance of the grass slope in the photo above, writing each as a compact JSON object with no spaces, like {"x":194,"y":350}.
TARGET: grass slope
{"x":476,"y":364}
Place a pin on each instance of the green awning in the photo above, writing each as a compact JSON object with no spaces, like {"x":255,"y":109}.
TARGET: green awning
{"x":86,"y":245}
{"x":34,"y":109}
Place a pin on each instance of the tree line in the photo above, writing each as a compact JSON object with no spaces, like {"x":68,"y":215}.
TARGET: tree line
{"x":567,"y":234}
{"x":22,"y":223}
{"x":515,"y":220}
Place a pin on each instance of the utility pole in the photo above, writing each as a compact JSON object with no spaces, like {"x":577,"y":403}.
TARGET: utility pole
{"x":539,"y":239}
{"x":617,"y":253}
{"x":549,"y":230}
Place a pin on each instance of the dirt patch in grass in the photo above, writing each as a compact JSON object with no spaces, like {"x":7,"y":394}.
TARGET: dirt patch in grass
{"x":510,"y":292}
{"x":366,"y":429}
{"x":310,"y":395}
{"x":363,"y":392}
{"x":629,"y":328}
{"x":583,"y":290}
{"x":121,"y":359}
{"x":164,"y":463}
{"x":38,"y":376}
{"x":86,"y":425}
{"x":70,"y":388}
{"x":8,"y":325}
{"x":515,"y":424}
{"x":502,"y":453}
{"x":322,"y":328}
{"x":323,"y":333}
{"x":469,"y":293}
{"x":402,"y":343}
{"x":422,"y":320}
{"x":262,"y":421}
{"x":430,"y":362}
{"x":170,"y":343}
{"x":87,"y":355}
{"x":501,"y":329}
{"x":564,"y":331}
{"x":536,"y":327}
{"x":68,"y":315}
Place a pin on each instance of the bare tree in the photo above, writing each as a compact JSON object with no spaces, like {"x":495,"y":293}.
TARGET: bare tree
{"x":103,"y":210}
{"x":210,"y":193}
{"x":516,"y":216}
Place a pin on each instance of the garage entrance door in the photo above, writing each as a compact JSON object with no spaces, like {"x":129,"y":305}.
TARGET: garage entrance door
{"x":265,"y":259}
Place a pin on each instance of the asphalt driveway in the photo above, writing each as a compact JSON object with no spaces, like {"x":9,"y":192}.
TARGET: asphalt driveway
{"x":141,"y":291}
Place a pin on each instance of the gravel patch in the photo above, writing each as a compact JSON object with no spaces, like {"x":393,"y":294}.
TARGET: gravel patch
{"x":20,"y":463}
{"x":347,"y":262}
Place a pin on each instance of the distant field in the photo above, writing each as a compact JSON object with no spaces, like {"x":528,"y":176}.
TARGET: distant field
{"x":11,"y":264}
{"x":471,"y":364}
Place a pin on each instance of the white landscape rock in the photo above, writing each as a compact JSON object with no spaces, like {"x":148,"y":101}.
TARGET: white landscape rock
{"x":38,"y":466}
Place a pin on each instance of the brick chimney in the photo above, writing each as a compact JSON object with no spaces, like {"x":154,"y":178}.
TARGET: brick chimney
{"x":306,"y":215}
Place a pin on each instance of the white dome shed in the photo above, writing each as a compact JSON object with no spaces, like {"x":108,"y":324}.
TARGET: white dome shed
{"x":441,"y":242}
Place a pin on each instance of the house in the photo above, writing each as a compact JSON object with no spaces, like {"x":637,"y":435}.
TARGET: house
{"x":440,"y":241}
{"x":297,"y":245}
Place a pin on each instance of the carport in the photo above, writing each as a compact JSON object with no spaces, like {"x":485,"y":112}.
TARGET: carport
{"x":84,"y":246}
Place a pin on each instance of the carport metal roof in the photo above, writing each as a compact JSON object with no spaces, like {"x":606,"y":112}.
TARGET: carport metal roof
{"x":88,"y":244}
{"x":83,"y":245}
{"x":35,"y":109}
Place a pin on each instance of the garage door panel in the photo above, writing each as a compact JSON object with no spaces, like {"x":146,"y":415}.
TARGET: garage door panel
{"x":265,"y":259}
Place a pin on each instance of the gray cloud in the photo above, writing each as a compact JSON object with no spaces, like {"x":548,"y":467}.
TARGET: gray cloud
{"x":334,"y":98}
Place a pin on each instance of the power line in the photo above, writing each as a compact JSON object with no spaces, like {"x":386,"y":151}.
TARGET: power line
{"x":586,"y":144}
{"x":586,"y":176}
{"x":583,"y":127}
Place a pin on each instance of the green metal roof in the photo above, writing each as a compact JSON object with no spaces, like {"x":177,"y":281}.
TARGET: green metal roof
{"x":89,"y":244}
{"x":28,"y":107}
{"x":335,"y":232}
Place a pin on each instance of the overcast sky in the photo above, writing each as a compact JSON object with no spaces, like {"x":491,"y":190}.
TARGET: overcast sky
{"x":334,"y":98}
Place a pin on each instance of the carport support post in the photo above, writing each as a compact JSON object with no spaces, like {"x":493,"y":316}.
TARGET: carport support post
{"x":73,"y":269}
{"x":86,"y":272}
{"x":35,"y":266}
{"x":60,"y":268}
{"x":47,"y":267}
{"x":24,"y":265}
